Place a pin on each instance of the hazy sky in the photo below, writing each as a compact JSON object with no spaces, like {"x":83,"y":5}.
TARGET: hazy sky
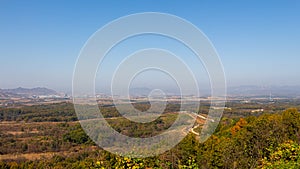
{"x":258,"y":41}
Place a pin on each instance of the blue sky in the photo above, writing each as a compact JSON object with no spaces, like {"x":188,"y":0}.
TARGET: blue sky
{"x":257,"y":41}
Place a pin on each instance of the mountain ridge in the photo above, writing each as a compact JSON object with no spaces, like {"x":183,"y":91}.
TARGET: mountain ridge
{"x":20,"y":91}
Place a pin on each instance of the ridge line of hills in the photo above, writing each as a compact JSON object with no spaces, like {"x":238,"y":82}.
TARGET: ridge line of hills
{"x":26,"y":92}
{"x":280,"y":91}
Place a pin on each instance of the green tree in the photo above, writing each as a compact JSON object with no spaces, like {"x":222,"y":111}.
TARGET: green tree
{"x":285,"y":156}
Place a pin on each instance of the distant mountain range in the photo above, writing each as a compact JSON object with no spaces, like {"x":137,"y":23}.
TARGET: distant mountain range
{"x":280,"y":91}
{"x":245,"y":91}
{"x":26,"y":92}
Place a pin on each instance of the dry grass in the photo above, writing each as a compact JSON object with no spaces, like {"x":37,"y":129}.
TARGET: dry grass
{"x":29,"y":156}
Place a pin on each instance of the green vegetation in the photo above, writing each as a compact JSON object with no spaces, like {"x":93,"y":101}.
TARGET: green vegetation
{"x":40,"y":113}
{"x":64,"y":112}
{"x":268,"y":140}
{"x":286,"y":155}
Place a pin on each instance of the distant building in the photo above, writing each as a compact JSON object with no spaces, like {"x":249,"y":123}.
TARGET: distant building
{"x":257,"y":110}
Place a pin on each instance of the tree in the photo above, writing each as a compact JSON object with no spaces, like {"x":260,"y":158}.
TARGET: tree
{"x":285,"y":156}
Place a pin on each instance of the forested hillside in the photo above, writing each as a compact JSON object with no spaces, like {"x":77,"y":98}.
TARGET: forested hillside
{"x":263,"y":141}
